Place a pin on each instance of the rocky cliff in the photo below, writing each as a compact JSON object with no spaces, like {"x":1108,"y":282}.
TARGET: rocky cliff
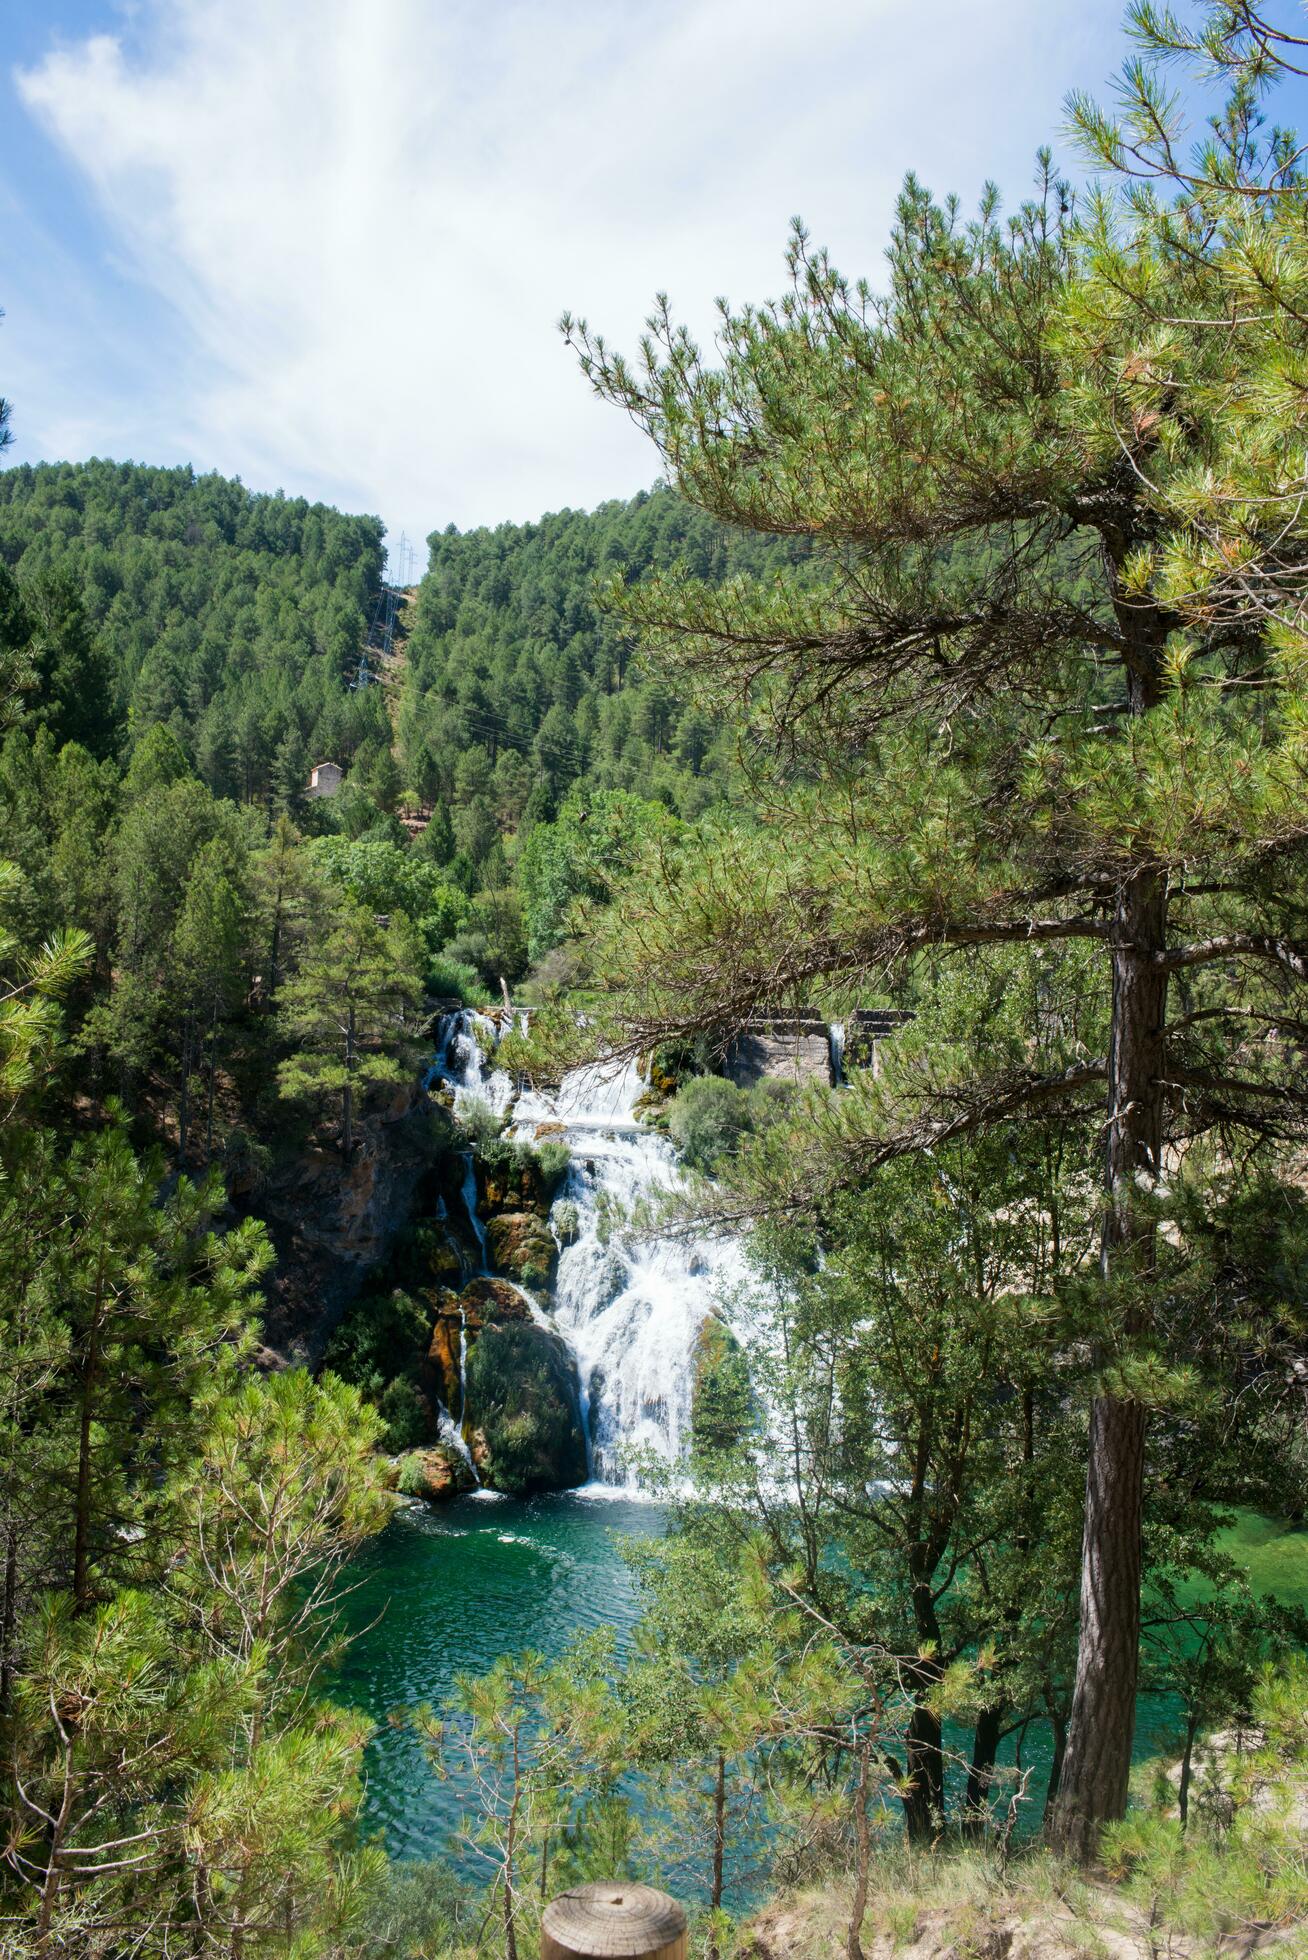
{"x":334,"y":1224}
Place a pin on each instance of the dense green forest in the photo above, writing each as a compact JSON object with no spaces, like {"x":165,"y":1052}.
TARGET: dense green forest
{"x":957,"y":661}
{"x":234,"y":619}
{"x":520,"y":682}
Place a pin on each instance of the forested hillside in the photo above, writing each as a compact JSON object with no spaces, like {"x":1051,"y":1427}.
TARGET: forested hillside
{"x":520,"y":684}
{"x":160,"y":596}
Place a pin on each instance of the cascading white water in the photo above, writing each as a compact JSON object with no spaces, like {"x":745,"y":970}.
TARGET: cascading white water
{"x":464,"y":1043}
{"x":836,"y":1053}
{"x":630,"y":1308}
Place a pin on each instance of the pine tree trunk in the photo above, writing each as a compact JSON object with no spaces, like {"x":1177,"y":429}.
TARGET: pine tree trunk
{"x":719,"y":1833}
{"x":1058,"y":1730}
{"x":1096,"y":1767}
{"x":184,"y":1098}
{"x":980,"y":1775}
{"x":510,"y":1856}
{"x":924,"y":1797}
{"x":347,"y":1098}
{"x":1187,"y":1772}
{"x":9,"y":1616}
{"x":82,"y":1511}
{"x":89,"y":1387}
{"x":213,"y":1063}
{"x":862,"y":1853}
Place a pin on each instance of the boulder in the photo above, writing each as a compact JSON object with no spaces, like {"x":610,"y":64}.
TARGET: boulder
{"x":443,"y":1357}
{"x":488,"y":1299}
{"x":522,"y":1383}
{"x":444,"y":1260}
{"x":511,"y":1179}
{"x":522,"y":1244}
{"x":436,"y":1474}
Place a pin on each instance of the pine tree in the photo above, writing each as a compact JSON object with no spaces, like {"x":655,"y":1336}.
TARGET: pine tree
{"x":994,"y":720}
{"x":31,"y":986}
{"x":290,"y":773}
{"x":351,"y":1011}
{"x":208,"y":965}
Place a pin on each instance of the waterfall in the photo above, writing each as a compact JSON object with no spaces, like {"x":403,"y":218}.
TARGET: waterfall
{"x":470,"y":1206}
{"x":836,"y":1053}
{"x":465,"y":1039}
{"x":630,"y":1310}
{"x":451,"y":1434}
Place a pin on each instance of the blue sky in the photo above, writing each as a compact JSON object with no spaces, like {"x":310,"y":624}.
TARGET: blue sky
{"x":322,"y":244}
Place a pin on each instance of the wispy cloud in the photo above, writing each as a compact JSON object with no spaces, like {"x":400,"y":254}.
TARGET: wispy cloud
{"x":366,"y":215}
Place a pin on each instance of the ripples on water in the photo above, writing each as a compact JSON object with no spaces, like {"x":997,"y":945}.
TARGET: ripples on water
{"x":440,"y":1593}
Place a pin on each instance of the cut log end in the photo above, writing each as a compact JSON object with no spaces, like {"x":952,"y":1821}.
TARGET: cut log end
{"x":616,"y":1921}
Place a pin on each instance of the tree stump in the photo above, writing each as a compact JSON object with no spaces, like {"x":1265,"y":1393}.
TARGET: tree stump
{"x":613,"y":1922}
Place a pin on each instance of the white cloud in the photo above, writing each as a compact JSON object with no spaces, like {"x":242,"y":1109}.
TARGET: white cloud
{"x":368,"y":214}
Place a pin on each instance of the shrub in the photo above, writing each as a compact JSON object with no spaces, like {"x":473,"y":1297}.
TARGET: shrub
{"x":412,"y":1479}
{"x":416,"y":1909}
{"x":1241,"y":1859}
{"x":707,"y":1119}
{"x":553,"y":1157}
{"x":453,"y":979}
{"x":382,"y":1335}
{"x":481,"y":1127}
{"x":404,"y":1412}
{"x":566,"y":1221}
{"x":522,"y":1383}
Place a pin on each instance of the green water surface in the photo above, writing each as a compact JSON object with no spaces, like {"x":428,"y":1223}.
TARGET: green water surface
{"x":444,"y":1592}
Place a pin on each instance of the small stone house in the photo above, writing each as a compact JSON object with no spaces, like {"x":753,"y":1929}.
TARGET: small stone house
{"x":325,"y":779}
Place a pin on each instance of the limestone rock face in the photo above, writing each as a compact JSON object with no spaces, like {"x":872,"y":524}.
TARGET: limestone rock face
{"x":334,"y":1223}
{"x":522,"y":1245}
{"x":444,"y":1265}
{"x":443,"y":1351}
{"x":509,"y":1187}
{"x":459,"y":1320}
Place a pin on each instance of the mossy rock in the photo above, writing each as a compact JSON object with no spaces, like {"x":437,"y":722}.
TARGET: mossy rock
{"x":523,"y":1388}
{"x":487,"y":1299}
{"x":522,"y":1245}
{"x":435,"y":1475}
{"x":429,"y":1256}
{"x":513,"y":1176}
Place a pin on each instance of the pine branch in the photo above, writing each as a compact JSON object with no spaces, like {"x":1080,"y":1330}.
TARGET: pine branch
{"x":1285,"y":953}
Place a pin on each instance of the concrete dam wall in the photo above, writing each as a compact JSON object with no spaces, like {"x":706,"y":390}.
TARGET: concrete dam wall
{"x":805,"y":1048}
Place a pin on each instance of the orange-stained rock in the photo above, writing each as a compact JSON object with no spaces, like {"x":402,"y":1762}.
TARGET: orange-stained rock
{"x":444,"y":1474}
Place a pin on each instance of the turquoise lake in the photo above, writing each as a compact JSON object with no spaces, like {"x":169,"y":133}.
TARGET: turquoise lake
{"x":440,"y":1593}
